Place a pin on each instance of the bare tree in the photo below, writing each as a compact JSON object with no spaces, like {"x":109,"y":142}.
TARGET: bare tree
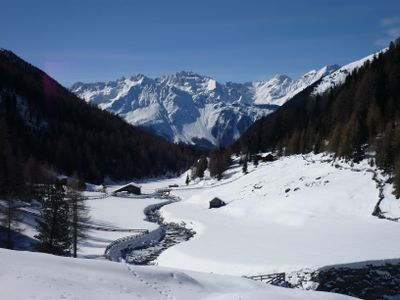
{"x":11,"y":190}
{"x":78,"y":211}
{"x":10,"y":219}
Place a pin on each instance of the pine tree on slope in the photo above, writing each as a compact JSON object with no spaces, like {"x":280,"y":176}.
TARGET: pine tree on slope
{"x":54,"y":229}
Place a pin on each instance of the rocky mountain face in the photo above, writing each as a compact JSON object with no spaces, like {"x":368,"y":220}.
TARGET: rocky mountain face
{"x":194,"y":109}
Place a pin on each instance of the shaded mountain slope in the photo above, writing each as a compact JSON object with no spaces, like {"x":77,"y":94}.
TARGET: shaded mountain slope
{"x":41,"y":120}
{"x":360,"y":116}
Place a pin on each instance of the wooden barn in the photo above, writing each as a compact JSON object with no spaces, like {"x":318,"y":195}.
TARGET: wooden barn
{"x":267,"y":157}
{"x":131,"y":188}
{"x":216,"y":203}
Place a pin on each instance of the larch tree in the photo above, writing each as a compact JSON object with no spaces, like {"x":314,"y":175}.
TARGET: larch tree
{"x":11,"y":190}
{"x":78,"y":212}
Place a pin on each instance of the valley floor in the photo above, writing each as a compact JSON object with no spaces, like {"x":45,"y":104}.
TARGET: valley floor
{"x":293,"y":213}
{"x":296,"y":213}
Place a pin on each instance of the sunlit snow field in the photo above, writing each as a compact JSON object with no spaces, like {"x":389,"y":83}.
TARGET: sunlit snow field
{"x":285,"y":215}
{"x":25,"y":275}
{"x":294,"y":213}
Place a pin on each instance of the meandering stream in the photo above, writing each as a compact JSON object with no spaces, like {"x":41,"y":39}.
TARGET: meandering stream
{"x":143,"y":249}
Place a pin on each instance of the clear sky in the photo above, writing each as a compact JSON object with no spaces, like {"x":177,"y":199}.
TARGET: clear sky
{"x":229,"y":40}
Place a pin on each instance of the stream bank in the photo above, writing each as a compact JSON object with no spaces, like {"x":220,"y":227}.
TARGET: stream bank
{"x":143,"y":249}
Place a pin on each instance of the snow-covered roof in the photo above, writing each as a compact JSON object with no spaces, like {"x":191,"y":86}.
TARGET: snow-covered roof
{"x":127,"y":185}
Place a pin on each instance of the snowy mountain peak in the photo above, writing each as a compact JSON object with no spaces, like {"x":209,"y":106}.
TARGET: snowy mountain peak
{"x":330,"y":68}
{"x":280,"y":78}
{"x":138,"y":77}
{"x":191,"y":108}
{"x":187,"y":74}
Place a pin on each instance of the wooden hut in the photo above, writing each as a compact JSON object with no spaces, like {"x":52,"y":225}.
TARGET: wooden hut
{"x":267,"y":157}
{"x":216,"y":203}
{"x":131,"y":188}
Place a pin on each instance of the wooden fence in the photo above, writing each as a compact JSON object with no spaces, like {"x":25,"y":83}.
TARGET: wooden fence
{"x":278,"y":279}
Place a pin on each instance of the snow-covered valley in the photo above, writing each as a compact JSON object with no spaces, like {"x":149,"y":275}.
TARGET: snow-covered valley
{"x":297,"y":213}
{"x":200,"y":150}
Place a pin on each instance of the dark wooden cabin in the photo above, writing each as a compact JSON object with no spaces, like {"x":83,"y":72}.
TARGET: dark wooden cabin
{"x":216,"y":203}
{"x":131,"y":188}
{"x":268,"y":157}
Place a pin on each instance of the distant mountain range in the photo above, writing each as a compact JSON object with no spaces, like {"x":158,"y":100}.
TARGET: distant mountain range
{"x":194,"y":109}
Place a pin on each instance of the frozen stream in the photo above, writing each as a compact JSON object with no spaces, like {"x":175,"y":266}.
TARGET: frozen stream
{"x":143,"y":249}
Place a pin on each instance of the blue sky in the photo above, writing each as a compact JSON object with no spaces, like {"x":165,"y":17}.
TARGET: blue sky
{"x":229,"y":40}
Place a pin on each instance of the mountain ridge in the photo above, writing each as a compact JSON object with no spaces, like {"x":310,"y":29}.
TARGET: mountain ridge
{"x":191,"y":108}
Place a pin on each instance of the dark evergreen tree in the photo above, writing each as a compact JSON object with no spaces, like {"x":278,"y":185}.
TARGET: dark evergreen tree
{"x":219,"y":162}
{"x":187,"y":181}
{"x":255,"y":160}
{"x":396,"y":178}
{"x":244,"y":167}
{"x":199,"y":167}
{"x":54,"y":226}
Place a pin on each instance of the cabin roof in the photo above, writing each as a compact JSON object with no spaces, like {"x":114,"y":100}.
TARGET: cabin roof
{"x":216,"y":199}
{"x":127,"y":185}
{"x":132,"y":184}
{"x":266,"y":154}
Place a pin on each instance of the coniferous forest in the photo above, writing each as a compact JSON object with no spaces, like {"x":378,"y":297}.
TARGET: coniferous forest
{"x":44,"y":127}
{"x":360,"y":117}
{"x":46,"y":131}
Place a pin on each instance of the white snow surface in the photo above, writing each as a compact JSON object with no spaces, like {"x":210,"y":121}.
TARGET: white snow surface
{"x":113,"y":215}
{"x":298,"y":212}
{"x":191,"y":108}
{"x":27,"y":275}
{"x":324,"y":219}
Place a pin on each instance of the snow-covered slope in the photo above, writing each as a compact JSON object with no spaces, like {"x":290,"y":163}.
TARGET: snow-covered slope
{"x":25,"y":275}
{"x":338,"y":77}
{"x":111,"y":218}
{"x":293,"y":213}
{"x":194,"y":109}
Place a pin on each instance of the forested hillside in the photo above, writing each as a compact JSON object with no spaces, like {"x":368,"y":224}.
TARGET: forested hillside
{"x":361,"y":116}
{"x":44,"y":126}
